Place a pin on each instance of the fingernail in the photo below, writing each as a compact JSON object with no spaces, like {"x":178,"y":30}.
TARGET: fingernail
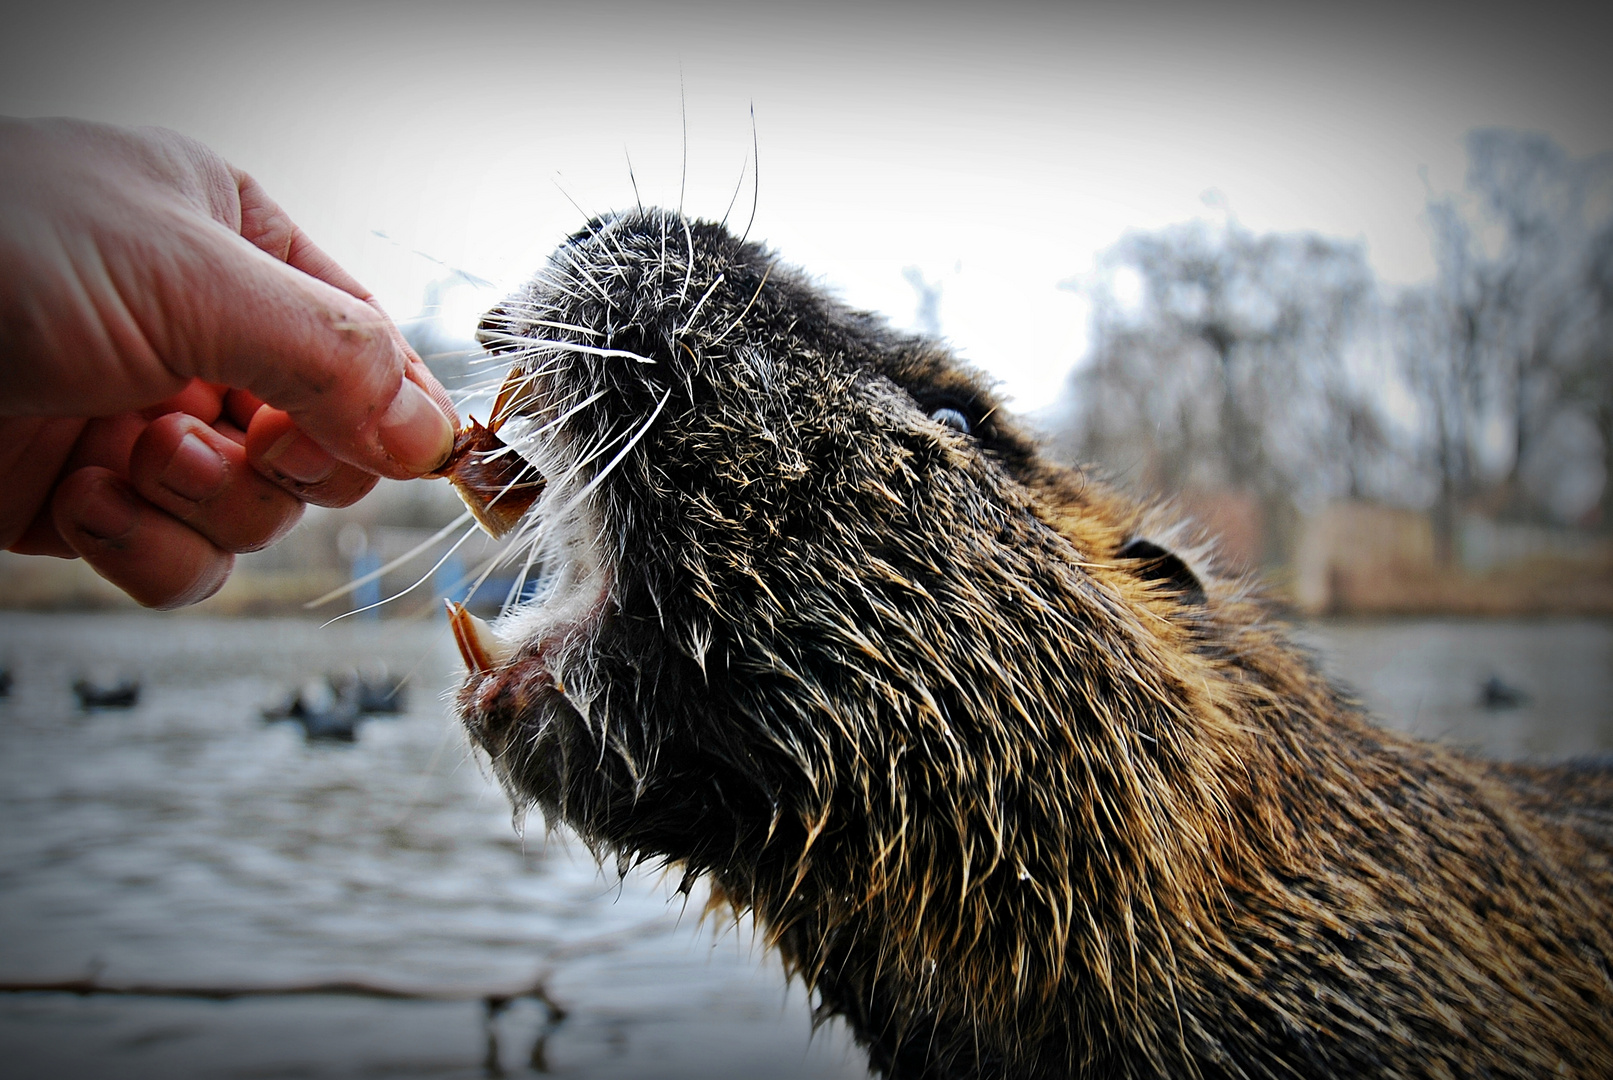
{"x":414,"y":431}
{"x":106,"y":512}
{"x":297,"y":457}
{"x":195,"y":472}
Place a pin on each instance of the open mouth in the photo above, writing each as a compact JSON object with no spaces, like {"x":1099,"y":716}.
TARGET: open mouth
{"x":506,"y":486}
{"x":548,"y":630}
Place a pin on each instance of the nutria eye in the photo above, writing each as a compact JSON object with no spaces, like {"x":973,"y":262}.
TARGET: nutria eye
{"x":953,"y":419}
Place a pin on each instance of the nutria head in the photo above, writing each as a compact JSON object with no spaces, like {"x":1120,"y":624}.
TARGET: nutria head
{"x":1015,"y":786}
{"x":823,"y":625}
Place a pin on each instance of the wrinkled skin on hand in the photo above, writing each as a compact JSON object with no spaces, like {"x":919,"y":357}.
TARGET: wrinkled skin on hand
{"x":181,"y":369}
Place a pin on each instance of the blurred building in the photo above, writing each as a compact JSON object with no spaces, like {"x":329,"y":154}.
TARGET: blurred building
{"x":1361,"y":558}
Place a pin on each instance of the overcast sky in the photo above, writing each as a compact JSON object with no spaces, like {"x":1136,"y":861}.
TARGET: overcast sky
{"x":996,"y":147}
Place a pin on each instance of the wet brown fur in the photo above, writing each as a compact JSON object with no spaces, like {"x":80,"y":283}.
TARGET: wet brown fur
{"x":1011,"y":802}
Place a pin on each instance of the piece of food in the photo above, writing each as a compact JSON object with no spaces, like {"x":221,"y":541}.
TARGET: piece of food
{"x":497,"y":484}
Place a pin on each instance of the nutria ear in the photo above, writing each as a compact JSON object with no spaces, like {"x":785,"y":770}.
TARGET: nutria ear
{"x":1161,"y":565}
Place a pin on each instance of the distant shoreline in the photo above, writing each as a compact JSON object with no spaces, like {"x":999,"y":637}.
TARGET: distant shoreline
{"x":1551,"y":588}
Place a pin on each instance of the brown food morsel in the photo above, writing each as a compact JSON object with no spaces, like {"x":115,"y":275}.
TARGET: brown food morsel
{"x":495,"y":482}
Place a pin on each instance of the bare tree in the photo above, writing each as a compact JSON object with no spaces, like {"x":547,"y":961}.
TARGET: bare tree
{"x":1223,"y":359}
{"x":1434,"y":339}
{"x":1502,"y":347}
{"x":1230,"y":367}
{"x":1587,"y":367}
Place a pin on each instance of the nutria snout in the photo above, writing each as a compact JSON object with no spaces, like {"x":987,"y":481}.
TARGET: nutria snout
{"x":1018,"y":785}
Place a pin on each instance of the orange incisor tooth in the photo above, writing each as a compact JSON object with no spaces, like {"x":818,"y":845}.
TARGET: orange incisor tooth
{"x":480,"y":649}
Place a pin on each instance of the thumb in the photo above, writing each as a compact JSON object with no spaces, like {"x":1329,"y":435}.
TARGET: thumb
{"x":336,"y":364}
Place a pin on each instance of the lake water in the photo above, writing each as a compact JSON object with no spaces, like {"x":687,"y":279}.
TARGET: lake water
{"x":186,"y":842}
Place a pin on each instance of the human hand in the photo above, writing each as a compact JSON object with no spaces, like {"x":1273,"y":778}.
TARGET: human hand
{"x":181,"y":369}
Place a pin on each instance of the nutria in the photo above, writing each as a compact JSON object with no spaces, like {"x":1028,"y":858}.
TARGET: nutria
{"x":1015,"y":783}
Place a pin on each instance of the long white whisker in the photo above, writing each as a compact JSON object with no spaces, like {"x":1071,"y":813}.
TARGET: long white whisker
{"x":359,"y":583}
{"x":633,"y":180}
{"x":620,"y":456}
{"x":756,"y":173}
{"x":683,"y":112}
{"x":741,"y":316}
{"x":688,"y":238}
{"x":586,"y":456}
{"x":589,"y":278}
{"x":661,"y":267}
{"x":529,"y":538}
{"x":475,"y":577}
{"x":684,"y":329}
{"x":550,"y":325}
{"x":599,"y":447}
{"x":459,"y":272}
{"x":479,"y":358}
{"x":732,"y":199}
{"x":422,"y":580}
{"x":586,"y":216}
{"x":569,"y":413}
{"x":514,"y":595}
{"x":493,"y":563}
{"x":557,"y":345}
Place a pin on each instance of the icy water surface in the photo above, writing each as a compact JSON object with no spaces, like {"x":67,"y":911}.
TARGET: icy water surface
{"x":1427,"y":677}
{"x":185,"y":842}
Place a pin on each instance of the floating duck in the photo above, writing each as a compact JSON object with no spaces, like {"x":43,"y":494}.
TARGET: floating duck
{"x":374,"y":690}
{"x":121,"y":693}
{"x":332,"y":707}
{"x":1495,"y":694}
